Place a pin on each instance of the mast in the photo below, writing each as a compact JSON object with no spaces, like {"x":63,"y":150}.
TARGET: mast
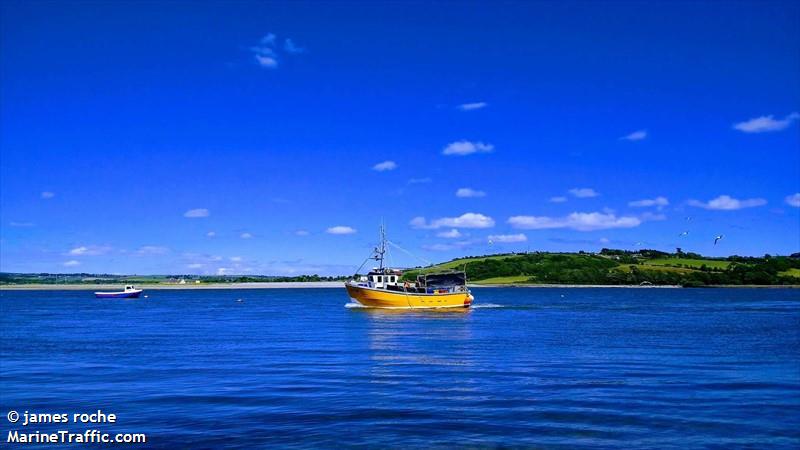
{"x":380,"y":250}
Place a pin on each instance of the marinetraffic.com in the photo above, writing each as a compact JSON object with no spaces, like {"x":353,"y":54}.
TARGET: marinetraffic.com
{"x":89,"y":436}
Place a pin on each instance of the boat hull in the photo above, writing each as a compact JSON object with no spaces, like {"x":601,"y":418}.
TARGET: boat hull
{"x":379,"y":298}
{"x":134,"y":294}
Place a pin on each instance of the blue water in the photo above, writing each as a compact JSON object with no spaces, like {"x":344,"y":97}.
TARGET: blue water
{"x":525,"y":368}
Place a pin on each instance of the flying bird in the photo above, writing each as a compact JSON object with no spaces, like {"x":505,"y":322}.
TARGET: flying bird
{"x":716,"y":239}
{"x":685,"y":233}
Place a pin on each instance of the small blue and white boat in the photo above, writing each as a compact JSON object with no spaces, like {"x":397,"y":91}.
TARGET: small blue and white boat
{"x":129,"y":292}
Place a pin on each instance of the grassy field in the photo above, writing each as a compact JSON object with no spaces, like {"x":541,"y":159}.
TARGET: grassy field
{"x":458,"y":264}
{"x":791,"y":273}
{"x":504,"y":280}
{"x":655,"y":268}
{"x":693,"y":263}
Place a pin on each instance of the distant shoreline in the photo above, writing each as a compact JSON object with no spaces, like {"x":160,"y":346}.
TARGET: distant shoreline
{"x":638,"y":286}
{"x":146,"y":287}
{"x":626,"y":286}
{"x":340,"y":284}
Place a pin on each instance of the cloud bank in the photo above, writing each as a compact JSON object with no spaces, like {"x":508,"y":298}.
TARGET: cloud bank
{"x":463,"y":148}
{"x":469,"y":193}
{"x":196,"y":213}
{"x":466,"y":220}
{"x":472,"y":106}
{"x":765,"y":124}
{"x":384,"y":166}
{"x":575,"y":221}
{"x":728,"y":203}
{"x":340,"y":229}
{"x":635,"y":136}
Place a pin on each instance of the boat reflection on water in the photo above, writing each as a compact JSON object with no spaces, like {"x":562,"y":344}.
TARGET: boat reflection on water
{"x":414,"y":350}
{"x":406,"y":312}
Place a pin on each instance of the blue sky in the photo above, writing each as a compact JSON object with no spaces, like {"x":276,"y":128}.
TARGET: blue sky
{"x":273,"y":138}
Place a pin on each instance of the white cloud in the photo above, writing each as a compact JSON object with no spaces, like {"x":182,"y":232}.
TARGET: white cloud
{"x":583,"y":192}
{"x":211,"y":234}
{"x":246,"y":235}
{"x":658,"y":201}
{"x":559,"y":199}
{"x":472,"y":106}
{"x":290,"y":47}
{"x":452,"y":234}
{"x":467,"y":220}
{"x":508,"y":238}
{"x":469,"y":193}
{"x":576,"y":221}
{"x":265,"y":52}
{"x":386,"y":165}
{"x":340,"y":229}
{"x":464,"y":147}
{"x":72,"y":263}
{"x":419,"y":180}
{"x":637,"y":135}
{"x":222,"y":270}
{"x":21,"y":224}
{"x":90,"y":250}
{"x":195,"y":266}
{"x":235,"y":258}
{"x":265,"y":61}
{"x":301,"y":233}
{"x":728,"y":203}
{"x":196,"y":213}
{"x":47,"y":195}
{"x":766,"y":123}
{"x":793,"y":200}
{"x":151,"y":250}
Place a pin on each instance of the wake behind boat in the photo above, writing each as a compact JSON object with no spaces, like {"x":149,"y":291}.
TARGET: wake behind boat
{"x":383,"y":287}
{"x":129,"y":292}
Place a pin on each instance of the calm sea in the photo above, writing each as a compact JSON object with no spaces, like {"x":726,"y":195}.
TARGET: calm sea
{"x":633,"y":368}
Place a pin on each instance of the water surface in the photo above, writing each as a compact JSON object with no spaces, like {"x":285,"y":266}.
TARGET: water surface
{"x":524,"y":368}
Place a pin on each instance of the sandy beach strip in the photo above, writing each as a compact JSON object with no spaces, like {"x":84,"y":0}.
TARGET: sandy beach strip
{"x":146,"y":287}
{"x":337,"y":285}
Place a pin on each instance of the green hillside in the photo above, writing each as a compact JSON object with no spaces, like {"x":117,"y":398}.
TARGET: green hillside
{"x":619,"y":267}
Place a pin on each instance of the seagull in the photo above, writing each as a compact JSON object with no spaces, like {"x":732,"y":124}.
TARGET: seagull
{"x":685,"y":233}
{"x":716,"y":239}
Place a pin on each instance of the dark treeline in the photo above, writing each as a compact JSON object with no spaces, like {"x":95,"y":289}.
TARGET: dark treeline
{"x":621,"y":267}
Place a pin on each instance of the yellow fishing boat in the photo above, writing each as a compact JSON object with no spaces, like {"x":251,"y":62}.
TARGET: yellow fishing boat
{"x":383,"y":287}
